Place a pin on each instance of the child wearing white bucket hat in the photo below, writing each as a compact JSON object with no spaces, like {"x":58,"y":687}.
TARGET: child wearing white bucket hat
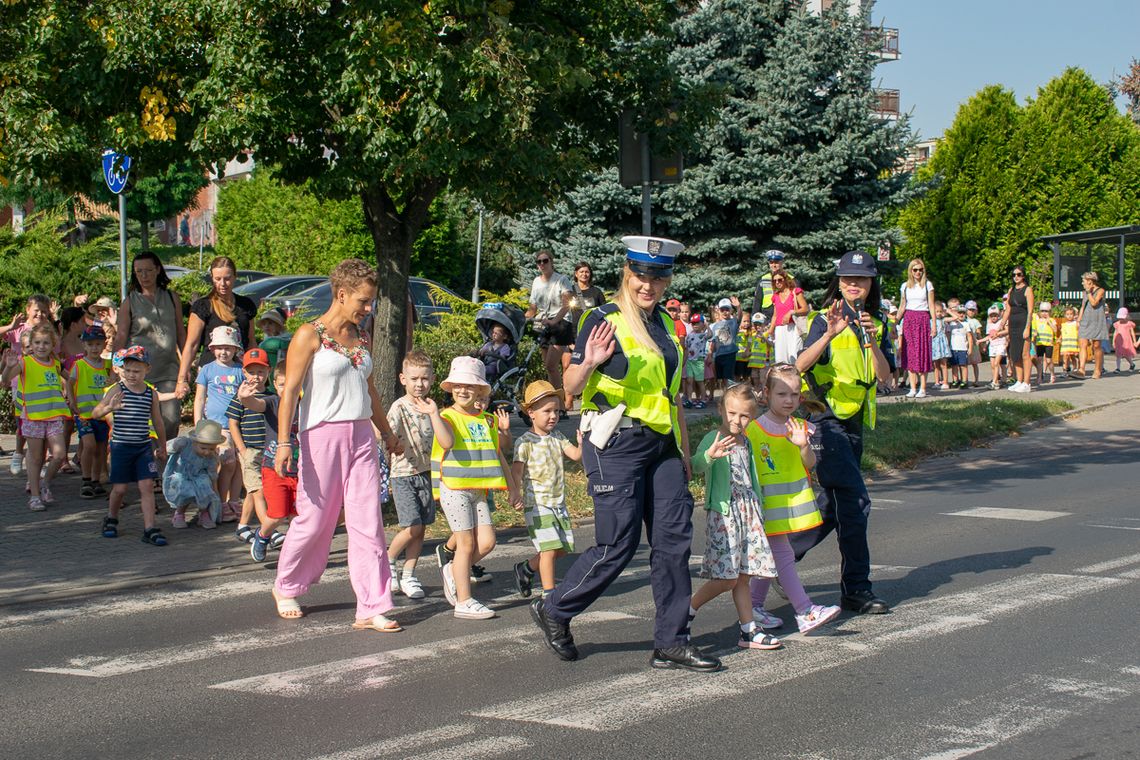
{"x":463,"y":475}
{"x":217,"y":384}
{"x":1124,"y":341}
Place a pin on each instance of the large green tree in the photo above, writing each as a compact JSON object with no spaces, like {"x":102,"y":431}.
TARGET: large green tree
{"x":388,"y":103}
{"x":795,"y":158}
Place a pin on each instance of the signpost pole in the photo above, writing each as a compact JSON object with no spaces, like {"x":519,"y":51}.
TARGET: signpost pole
{"x":122,"y":246}
{"x":478,"y":256}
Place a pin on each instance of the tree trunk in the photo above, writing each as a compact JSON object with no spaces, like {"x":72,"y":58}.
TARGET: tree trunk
{"x":393,"y":233}
{"x":144,"y":232}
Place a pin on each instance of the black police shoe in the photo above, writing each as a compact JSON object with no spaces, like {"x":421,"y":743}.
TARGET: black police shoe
{"x":864,"y":603}
{"x":557,"y":635}
{"x":687,"y":657}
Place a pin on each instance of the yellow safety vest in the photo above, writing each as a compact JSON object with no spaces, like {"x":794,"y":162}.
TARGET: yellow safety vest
{"x":785,"y":487}
{"x":761,"y":354}
{"x":847,"y":383}
{"x":648,"y":395}
{"x":90,"y":385}
{"x":1069,"y":339}
{"x":472,"y":464}
{"x":41,"y":390}
{"x":1044,"y":329}
{"x":743,"y":345}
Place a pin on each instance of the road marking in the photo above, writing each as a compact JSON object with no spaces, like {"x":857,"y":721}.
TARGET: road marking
{"x":372,"y":671}
{"x":617,"y":702}
{"x":1112,"y":564}
{"x":398,"y":746}
{"x":491,"y":747}
{"x":1113,"y":527}
{"x":1131,"y":574}
{"x":1001,"y":513}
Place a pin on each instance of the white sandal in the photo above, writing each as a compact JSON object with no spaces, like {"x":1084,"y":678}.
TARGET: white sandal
{"x":378,"y":623}
{"x":288,"y":607}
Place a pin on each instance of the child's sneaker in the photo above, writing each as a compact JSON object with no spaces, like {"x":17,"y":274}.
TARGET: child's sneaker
{"x":473,"y":609}
{"x":911,"y":393}
{"x":231,"y":512}
{"x":206,"y":520}
{"x":443,"y":555}
{"x":816,"y":616}
{"x":479,"y":574}
{"x":755,"y":638}
{"x":178,"y":519}
{"x":46,"y":496}
{"x":259,"y":546}
{"x":394,"y":574}
{"x":766,"y":619}
{"x":36,"y":504}
{"x":17,"y":464}
{"x":524,"y":577}
{"x":920,"y":394}
{"x":411,"y":587}
{"x":448,"y":584}
{"x":276,"y":539}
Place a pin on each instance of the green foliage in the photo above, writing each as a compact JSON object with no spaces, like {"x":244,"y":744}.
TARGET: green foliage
{"x":795,"y":158}
{"x":163,"y":193}
{"x":38,"y":261}
{"x":1005,"y":175}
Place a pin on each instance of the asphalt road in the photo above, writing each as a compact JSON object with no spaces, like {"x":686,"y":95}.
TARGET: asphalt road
{"x":1015,"y":572}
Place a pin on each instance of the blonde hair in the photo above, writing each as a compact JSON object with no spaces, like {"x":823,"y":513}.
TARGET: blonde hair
{"x":794,"y":378}
{"x":910,"y":281}
{"x":224,"y":311}
{"x":416,"y":359}
{"x":351,"y":274}
{"x":1091,"y":277}
{"x":634,"y":317}
{"x":739,"y":392}
{"x":43,"y":328}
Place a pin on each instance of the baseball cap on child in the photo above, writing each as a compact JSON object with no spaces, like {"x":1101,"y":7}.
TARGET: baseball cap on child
{"x":724,"y":303}
{"x":273,"y":315}
{"x":696,"y":319}
{"x":1045,"y":306}
{"x":255,"y":356}
{"x":225,"y":336}
{"x":672,"y":303}
{"x":971,"y":305}
{"x":758,"y":318}
{"x":94,"y":332}
{"x":133,"y":353}
{"x":995,"y":309}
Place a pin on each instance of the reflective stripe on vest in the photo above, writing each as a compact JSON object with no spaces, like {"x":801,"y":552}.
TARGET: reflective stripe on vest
{"x":847,"y":383}
{"x":1069,"y":340}
{"x":41,"y":391}
{"x":1044,"y":328}
{"x":472,"y":464}
{"x":90,"y":385}
{"x":647,"y":395}
{"x":761,"y":352}
{"x":788,"y":501}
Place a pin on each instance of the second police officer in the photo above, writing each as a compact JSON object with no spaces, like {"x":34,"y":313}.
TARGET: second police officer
{"x":627,"y":366}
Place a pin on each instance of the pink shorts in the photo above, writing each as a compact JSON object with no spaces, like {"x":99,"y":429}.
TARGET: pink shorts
{"x":42,"y":428}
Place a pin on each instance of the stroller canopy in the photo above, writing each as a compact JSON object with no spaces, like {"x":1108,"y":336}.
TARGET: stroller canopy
{"x":510,"y":317}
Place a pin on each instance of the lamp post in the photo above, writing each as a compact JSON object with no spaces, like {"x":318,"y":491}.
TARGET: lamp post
{"x":478,"y":252}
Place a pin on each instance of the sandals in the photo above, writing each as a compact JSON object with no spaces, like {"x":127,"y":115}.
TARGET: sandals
{"x":288,"y":607}
{"x":246,"y":533}
{"x":87,"y":491}
{"x":153,"y":536}
{"x":276,"y":540}
{"x":377,"y":623}
{"x":110,"y":527}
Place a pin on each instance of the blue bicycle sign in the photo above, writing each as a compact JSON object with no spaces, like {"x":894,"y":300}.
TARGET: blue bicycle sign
{"x":116,"y":167}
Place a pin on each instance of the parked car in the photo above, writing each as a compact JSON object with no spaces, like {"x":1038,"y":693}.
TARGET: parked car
{"x":317,"y":300}
{"x":278,"y":287}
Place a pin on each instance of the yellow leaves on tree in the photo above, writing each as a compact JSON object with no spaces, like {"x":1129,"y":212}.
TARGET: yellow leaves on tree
{"x":157,"y":122}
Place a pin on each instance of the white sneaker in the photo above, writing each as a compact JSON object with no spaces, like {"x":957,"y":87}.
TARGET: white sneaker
{"x":411,"y":587}
{"x":911,"y":393}
{"x":448,"y":584}
{"x":815,"y":617}
{"x":473,"y":609}
{"x":944,"y":387}
{"x":766,"y":619}
{"x":920,"y":394}
{"x":16,"y":465}
{"x":394,"y":574}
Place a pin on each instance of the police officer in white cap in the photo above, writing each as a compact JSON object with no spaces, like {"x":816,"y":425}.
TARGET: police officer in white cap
{"x":762,"y":299}
{"x":626,"y":366}
{"x":844,"y":355}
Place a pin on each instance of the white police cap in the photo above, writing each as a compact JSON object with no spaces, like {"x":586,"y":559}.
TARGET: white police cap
{"x":651,"y":256}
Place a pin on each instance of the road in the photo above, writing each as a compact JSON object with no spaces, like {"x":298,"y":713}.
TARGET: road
{"x":1015,"y":572}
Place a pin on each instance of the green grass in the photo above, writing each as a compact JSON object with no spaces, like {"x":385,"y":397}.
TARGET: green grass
{"x":904,"y":435}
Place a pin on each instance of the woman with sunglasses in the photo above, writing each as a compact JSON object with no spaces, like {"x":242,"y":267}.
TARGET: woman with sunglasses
{"x":1016,"y":318}
{"x":916,"y":315}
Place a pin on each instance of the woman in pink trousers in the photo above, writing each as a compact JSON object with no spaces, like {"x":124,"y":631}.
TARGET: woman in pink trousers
{"x":329,"y":368}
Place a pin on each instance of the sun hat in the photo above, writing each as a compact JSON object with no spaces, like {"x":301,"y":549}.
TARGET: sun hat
{"x":208,"y":432}
{"x":465,"y":370}
{"x":94,"y":332}
{"x":537,"y":391}
{"x":651,"y":256}
{"x":856,"y":264}
{"x":225,"y":335}
{"x":1122,"y":312}
{"x":134,"y":353}
{"x":972,"y":305}
{"x":273,"y":315}
{"x":724,"y":303}
{"x":255,"y":356}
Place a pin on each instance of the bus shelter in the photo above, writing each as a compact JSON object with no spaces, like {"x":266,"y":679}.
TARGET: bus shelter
{"x":1112,"y":252}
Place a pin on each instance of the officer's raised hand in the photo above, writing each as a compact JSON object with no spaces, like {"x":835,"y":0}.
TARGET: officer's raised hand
{"x":600,"y":345}
{"x":836,"y":321}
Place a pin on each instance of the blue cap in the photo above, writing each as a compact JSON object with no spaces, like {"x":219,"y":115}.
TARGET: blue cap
{"x":94,"y":332}
{"x":651,"y":256}
{"x":856,"y":264}
{"x":774,"y":255}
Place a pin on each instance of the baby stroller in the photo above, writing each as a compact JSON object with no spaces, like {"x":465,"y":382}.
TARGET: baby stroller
{"x":504,"y":373}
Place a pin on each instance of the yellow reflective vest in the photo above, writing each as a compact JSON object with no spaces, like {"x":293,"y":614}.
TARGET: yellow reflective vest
{"x":90,"y":385}
{"x":847,"y":383}
{"x":472,"y":464}
{"x":41,"y":390}
{"x":649,"y":396}
{"x":788,"y":501}
{"x":1043,"y":328}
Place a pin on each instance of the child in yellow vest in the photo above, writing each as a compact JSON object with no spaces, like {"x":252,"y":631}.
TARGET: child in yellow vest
{"x":743,"y":348}
{"x":760,"y":352}
{"x":465,"y":471}
{"x":1070,"y":345}
{"x":45,"y":407}
{"x":736,"y":549}
{"x":784,"y":458}
{"x":1045,"y":335}
{"x":90,"y":377}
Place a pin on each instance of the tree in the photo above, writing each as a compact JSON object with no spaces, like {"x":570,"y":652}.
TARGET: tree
{"x":387,"y":103}
{"x":1129,"y":86}
{"x":794,"y":159}
{"x":164,"y":193}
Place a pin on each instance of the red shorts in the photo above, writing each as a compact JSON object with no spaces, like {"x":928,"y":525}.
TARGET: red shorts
{"x":280,"y":494}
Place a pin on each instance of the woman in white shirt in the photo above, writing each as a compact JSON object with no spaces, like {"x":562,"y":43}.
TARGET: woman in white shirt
{"x":916,"y":315}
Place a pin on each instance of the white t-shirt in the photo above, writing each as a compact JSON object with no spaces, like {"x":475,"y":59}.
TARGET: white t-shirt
{"x":958,"y":338}
{"x":915,"y":298}
{"x":697,"y":345}
{"x":546,"y":295}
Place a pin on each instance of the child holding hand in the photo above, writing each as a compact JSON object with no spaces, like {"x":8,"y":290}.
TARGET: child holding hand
{"x":737,"y":549}
{"x":217,"y":384}
{"x":538,"y":470}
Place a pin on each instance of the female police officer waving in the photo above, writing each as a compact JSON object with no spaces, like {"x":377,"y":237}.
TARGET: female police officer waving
{"x":842,"y":357}
{"x":626,"y":366}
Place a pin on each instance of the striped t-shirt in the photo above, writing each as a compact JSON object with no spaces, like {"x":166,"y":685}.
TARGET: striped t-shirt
{"x":131,"y":424}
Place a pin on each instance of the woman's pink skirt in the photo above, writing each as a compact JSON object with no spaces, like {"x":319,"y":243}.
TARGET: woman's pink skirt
{"x":917,"y":343}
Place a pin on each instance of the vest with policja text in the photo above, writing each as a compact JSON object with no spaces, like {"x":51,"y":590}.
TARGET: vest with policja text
{"x":847,"y":383}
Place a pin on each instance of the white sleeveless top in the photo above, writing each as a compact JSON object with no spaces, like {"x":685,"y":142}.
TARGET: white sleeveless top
{"x":334,"y":389}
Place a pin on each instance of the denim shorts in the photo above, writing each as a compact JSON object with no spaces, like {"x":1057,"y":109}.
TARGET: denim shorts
{"x":132,"y":462}
{"x":98,"y":428}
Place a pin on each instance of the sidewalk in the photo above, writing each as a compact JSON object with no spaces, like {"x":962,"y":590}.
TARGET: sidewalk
{"x":60,"y":553}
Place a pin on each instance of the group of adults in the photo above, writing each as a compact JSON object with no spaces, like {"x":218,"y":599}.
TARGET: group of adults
{"x":918,"y":316}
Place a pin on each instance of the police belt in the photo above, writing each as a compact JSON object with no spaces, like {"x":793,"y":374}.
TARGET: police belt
{"x":602,"y":425}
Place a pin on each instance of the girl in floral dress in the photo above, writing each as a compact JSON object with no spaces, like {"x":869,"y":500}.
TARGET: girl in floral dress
{"x":737,"y":549}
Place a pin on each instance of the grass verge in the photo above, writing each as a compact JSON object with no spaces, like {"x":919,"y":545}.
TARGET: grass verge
{"x":904,"y":435}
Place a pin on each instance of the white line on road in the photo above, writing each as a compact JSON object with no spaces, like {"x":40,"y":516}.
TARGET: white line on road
{"x":1112,"y":564}
{"x":368,"y":672}
{"x":614,"y":703}
{"x":480,"y":748}
{"x":399,"y":746}
{"x":1002,"y":513}
{"x":1113,"y":527}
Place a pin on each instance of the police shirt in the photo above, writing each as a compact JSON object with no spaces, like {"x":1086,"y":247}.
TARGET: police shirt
{"x":617,"y":365}
{"x":816,"y":331}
